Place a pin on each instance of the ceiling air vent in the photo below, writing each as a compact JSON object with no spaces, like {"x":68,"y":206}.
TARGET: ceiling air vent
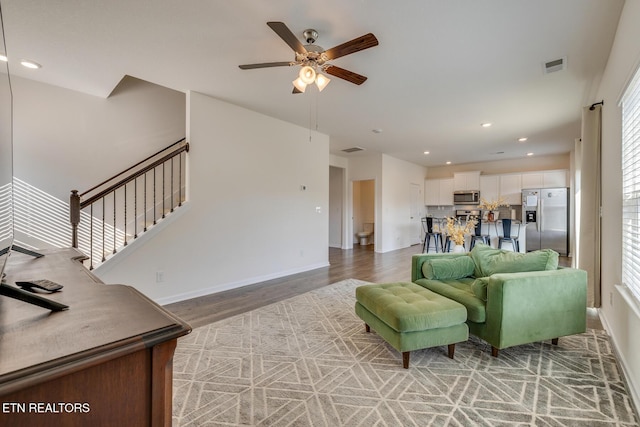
{"x":555,"y":65}
{"x":353,"y":149}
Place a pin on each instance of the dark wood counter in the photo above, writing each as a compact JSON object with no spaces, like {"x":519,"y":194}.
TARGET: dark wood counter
{"x":106,"y":361}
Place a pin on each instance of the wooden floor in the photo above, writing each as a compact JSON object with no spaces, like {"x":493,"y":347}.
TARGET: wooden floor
{"x":361,"y":262}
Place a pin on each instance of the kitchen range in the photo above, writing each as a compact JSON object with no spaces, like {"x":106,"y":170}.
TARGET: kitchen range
{"x":465,"y":214}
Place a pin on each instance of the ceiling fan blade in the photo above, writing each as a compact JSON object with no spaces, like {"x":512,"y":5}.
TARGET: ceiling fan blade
{"x":347,"y":75}
{"x":353,"y":46}
{"x":264,"y":65}
{"x":296,"y":90}
{"x":285,"y":34}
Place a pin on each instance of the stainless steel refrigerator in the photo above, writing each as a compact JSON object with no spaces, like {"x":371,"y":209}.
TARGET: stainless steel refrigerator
{"x":545,"y":211}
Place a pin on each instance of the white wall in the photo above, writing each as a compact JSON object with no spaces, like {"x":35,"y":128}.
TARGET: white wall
{"x":396,"y":201}
{"x":248,"y":219}
{"x":619,"y":318}
{"x":66,"y":140}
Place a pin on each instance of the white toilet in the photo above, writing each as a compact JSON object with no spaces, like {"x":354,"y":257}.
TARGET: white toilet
{"x":365,"y":234}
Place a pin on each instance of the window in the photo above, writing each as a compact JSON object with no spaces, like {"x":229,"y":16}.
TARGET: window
{"x":631,"y":187}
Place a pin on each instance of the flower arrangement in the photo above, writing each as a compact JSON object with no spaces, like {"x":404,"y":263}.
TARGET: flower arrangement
{"x":457,"y":231}
{"x":492,"y":205}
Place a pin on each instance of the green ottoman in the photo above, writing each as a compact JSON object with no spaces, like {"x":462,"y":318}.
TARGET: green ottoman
{"x":410,"y":317}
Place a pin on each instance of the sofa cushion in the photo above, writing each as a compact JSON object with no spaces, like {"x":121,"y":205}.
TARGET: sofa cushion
{"x":479,"y":287}
{"x":489,"y":261}
{"x":459,"y":291}
{"x":407,"y":307}
{"x":448,"y":268}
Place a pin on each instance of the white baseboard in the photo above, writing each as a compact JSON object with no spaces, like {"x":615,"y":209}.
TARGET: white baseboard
{"x":634,"y":393}
{"x":238,"y":284}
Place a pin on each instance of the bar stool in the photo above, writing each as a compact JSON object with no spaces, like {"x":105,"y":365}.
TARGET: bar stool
{"x":477,"y":235}
{"x":446,"y":245}
{"x":506,"y":234}
{"x":427,"y":227}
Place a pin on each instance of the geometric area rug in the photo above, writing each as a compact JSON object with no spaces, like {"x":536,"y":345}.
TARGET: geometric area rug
{"x":307,"y":361}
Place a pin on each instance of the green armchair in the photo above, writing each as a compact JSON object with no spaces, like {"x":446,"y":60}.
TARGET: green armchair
{"x":508,"y":308}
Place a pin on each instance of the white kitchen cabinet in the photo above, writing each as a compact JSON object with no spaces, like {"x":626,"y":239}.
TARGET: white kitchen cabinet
{"x":554,"y":179}
{"x":545,"y":179}
{"x":438,"y":192}
{"x":489,"y":187}
{"x":466,"y":181}
{"x":431,"y":192}
{"x":511,"y":188}
{"x":446,"y":192}
{"x":532,"y":180}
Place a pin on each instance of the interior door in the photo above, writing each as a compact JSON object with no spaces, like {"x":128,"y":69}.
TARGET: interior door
{"x":415,"y":213}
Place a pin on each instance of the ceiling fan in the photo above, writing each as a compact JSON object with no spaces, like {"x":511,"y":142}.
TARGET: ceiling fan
{"x":314,"y":60}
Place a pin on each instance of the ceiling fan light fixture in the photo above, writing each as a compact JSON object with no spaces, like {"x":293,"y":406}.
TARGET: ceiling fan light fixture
{"x":307,"y":74}
{"x":300,"y":85}
{"x":322,"y":81}
{"x":313,"y":59}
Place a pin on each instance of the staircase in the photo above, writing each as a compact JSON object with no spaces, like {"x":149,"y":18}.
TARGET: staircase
{"x":108,"y":216}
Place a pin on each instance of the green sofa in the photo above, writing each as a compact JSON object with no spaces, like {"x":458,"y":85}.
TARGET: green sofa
{"x":511,"y":298}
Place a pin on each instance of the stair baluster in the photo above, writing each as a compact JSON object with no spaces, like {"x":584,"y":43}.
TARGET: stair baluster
{"x":117,"y":232}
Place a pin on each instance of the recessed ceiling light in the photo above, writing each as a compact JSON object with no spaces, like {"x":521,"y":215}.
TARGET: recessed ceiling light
{"x":3,"y":57}
{"x":426,"y":152}
{"x":448,"y":163}
{"x":377,"y":131}
{"x":30,"y":64}
{"x":523,"y":139}
{"x":529,"y":154}
{"x":486,"y":125}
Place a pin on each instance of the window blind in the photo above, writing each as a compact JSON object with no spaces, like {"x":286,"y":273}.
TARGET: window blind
{"x":631,"y":187}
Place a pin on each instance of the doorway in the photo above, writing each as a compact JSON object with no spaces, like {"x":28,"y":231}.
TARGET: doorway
{"x":336,"y":206}
{"x":364,"y":208}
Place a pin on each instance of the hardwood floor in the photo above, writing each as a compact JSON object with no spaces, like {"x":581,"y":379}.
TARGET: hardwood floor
{"x":361,"y":262}
{"x":358,"y":263}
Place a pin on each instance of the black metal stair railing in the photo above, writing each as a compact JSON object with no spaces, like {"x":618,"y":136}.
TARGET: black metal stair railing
{"x":122,"y":207}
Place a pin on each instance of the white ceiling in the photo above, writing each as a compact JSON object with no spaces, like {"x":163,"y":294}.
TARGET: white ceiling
{"x":441,"y":69}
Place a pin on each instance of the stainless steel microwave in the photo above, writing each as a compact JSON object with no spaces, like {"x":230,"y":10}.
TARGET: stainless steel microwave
{"x":466,"y":197}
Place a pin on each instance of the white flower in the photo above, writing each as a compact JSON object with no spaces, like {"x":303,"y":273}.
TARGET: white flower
{"x":457,"y":231}
{"x":492,"y":205}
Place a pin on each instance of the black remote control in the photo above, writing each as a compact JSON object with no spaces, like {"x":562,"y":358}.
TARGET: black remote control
{"x":19,"y":294}
{"x":43,"y":284}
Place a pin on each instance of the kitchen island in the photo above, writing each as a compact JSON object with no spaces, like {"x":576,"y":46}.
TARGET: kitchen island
{"x":489,"y":228}
{"x":517,"y":229}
